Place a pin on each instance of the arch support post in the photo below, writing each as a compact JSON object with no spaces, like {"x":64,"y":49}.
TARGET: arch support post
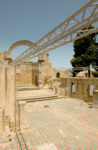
{"x":11,"y":95}
{"x":2,"y":98}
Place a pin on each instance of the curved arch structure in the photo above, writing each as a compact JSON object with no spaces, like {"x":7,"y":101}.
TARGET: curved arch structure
{"x":16,"y":44}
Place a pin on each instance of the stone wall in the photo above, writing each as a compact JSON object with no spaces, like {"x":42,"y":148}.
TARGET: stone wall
{"x":24,"y":75}
{"x":79,"y":88}
{"x":59,"y":86}
{"x":45,"y":72}
{"x":83,"y":88}
{"x":34,"y":73}
{"x":62,"y":74}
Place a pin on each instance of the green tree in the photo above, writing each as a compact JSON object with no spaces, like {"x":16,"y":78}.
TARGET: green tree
{"x":86,"y":51}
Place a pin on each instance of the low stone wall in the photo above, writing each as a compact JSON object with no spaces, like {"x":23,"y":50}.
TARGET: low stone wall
{"x":81,"y":88}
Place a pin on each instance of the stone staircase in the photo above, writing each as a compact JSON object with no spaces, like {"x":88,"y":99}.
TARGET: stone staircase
{"x":35,"y":94}
{"x":29,"y":87}
{"x":41,"y":98}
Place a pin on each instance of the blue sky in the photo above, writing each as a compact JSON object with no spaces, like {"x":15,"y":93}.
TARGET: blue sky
{"x":32,"y":19}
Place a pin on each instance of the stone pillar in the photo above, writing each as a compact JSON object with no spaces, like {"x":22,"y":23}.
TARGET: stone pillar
{"x":2,"y":86}
{"x":2,"y":98}
{"x":95,"y":98}
{"x":22,"y":114}
{"x":41,"y":75}
{"x":57,"y":87}
{"x":11,"y":95}
{"x":68,"y":87}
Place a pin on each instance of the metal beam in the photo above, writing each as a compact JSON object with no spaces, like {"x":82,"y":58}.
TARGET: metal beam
{"x":64,"y":33}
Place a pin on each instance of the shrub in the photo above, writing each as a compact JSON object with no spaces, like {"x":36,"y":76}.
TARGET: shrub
{"x":95,"y":73}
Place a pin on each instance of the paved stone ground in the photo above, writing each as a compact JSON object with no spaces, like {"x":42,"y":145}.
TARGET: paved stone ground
{"x":64,"y":124}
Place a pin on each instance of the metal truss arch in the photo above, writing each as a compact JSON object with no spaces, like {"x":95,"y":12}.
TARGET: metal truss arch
{"x":65,"y":32}
{"x":18,"y":43}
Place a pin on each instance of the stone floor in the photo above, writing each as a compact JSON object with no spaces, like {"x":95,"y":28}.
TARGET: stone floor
{"x":63,"y":124}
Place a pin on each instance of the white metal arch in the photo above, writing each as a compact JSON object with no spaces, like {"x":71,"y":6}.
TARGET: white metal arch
{"x":64,"y":33}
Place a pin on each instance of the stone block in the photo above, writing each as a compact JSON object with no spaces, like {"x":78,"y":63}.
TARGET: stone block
{"x":22,"y":114}
{"x":95,"y":99}
{"x":2,"y":122}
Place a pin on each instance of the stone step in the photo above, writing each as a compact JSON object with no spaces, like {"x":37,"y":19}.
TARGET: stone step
{"x":27,"y":88}
{"x":41,"y":98}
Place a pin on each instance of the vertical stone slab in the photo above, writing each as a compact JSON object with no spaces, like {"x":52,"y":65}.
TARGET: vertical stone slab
{"x":11,"y":94}
{"x":2,"y":122}
{"x":41,"y":75}
{"x":95,"y":98}
{"x":23,"y":114}
{"x":68,"y":87}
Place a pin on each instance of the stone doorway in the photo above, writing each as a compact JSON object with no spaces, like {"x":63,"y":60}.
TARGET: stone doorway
{"x":57,"y":75}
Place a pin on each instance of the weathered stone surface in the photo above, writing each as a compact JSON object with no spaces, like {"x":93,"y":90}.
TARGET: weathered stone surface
{"x":2,"y":122}
{"x":82,"y":87}
{"x":10,"y":94}
{"x":2,"y":86}
{"x":38,"y":73}
{"x":24,"y":76}
{"x":49,"y":146}
{"x":95,"y":98}
{"x":23,"y":114}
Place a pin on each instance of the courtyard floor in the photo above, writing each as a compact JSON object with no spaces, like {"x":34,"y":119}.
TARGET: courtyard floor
{"x":62,"y":124}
